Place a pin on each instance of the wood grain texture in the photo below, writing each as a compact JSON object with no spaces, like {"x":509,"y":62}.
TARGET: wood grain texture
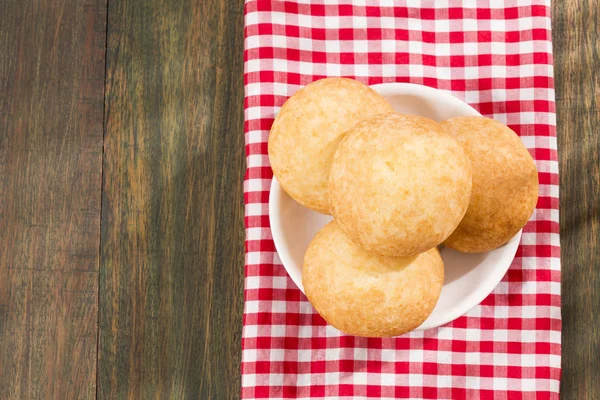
{"x":577,"y":61}
{"x":51,"y":117}
{"x":171,"y":276}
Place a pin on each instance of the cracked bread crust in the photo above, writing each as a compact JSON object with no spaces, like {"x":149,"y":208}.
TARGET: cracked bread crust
{"x":363,"y":294}
{"x":308,"y":129}
{"x":505,"y":184}
{"x":399,"y":184}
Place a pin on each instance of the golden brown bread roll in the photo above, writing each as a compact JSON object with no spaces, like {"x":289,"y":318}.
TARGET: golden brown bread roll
{"x":364,"y":294}
{"x":399,"y":184}
{"x":307,"y":130}
{"x":505,"y":184}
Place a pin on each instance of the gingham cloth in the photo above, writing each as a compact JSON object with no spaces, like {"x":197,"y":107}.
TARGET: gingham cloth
{"x":496,"y":56}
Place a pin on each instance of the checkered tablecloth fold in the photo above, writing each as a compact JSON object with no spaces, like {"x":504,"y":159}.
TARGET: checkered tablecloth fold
{"x":496,"y":56}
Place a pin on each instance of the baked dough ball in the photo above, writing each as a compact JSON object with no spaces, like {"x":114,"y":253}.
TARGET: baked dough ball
{"x":363,"y":294}
{"x":307,"y":130}
{"x":399,"y":184}
{"x":505,"y":184}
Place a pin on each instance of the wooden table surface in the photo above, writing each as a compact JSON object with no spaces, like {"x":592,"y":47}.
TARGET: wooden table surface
{"x":121,"y":203}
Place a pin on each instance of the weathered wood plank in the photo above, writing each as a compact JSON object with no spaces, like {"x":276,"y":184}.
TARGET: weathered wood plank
{"x":172,"y":216}
{"x":577,"y":61}
{"x":51,"y":125}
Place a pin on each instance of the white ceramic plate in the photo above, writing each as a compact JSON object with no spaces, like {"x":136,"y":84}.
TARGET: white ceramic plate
{"x":469,"y":278}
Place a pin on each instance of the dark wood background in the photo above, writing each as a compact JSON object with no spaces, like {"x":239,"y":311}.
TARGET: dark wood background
{"x":120,"y":122}
{"x":575,"y":29}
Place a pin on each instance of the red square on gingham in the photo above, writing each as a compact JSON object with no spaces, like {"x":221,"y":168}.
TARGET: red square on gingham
{"x":496,"y":56}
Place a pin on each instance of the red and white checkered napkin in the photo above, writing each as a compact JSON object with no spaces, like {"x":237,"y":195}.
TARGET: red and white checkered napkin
{"x":496,"y":56}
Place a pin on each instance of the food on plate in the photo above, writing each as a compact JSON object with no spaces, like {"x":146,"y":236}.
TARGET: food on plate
{"x":505,"y":184}
{"x":307,"y":131}
{"x":364,"y":294}
{"x":397,"y":187}
{"x":399,"y":184}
